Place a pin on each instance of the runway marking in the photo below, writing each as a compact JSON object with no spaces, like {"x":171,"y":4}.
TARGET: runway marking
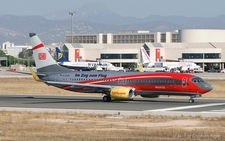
{"x":222,"y":111}
{"x":185,"y":107}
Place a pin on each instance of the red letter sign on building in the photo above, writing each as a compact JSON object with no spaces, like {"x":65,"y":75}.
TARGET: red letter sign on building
{"x":77,"y":54}
{"x":157,"y":54}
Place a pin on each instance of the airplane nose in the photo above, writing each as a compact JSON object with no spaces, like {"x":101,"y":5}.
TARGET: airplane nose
{"x":208,"y":87}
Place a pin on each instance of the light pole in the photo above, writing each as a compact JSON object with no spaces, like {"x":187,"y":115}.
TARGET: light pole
{"x":71,"y":14}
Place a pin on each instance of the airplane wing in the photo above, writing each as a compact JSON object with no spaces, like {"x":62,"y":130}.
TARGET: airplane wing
{"x":81,"y":85}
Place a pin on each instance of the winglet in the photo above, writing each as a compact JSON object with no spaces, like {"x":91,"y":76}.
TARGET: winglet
{"x":34,"y":75}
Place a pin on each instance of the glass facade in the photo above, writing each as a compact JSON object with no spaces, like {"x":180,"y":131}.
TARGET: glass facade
{"x":119,"y":56}
{"x":212,"y":56}
{"x":65,"y":52}
{"x":87,"y":39}
{"x":163,"y":38}
{"x":118,"y":39}
{"x":201,"y":55}
{"x":121,"y":38}
{"x":129,"y":56}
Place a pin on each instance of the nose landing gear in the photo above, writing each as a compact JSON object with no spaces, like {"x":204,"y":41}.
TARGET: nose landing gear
{"x":191,"y":100}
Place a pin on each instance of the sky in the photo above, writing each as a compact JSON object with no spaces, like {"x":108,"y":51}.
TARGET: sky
{"x":134,"y":8}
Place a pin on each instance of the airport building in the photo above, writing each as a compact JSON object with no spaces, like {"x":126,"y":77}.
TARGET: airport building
{"x":205,"y":47}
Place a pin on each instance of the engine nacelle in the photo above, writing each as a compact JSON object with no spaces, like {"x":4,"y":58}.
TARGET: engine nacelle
{"x":150,"y":96}
{"x":122,"y":93}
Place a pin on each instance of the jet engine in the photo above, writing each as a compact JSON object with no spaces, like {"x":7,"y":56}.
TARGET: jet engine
{"x":122,"y":93}
{"x":150,"y":96}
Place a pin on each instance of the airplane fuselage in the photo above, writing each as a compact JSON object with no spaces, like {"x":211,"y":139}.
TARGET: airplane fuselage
{"x":143,"y":83}
{"x":84,"y":65}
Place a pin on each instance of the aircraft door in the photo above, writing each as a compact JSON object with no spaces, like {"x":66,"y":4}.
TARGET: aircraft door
{"x":184,"y":82}
{"x":122,"y":81}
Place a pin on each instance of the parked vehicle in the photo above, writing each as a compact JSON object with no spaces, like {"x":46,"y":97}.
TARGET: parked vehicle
{"x":214,"y":70}
{"x":198,"y":70}
{"x":222,"y":71}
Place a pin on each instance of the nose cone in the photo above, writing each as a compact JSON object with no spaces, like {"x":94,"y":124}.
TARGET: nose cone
{"x":207,"y":87}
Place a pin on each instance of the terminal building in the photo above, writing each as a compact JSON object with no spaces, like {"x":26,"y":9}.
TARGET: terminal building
{"x":205,"y":47}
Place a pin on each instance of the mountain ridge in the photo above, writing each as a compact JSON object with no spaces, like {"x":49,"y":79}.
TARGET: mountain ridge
{"x":92,"y":19}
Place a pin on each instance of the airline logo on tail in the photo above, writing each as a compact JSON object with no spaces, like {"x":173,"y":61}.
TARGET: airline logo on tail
{"x":60,"y":57}
{"x":41,"y":56}
{"x":145,"y":57}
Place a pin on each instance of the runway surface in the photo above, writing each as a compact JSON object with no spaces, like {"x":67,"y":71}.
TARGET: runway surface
{"x":94,"y":104}
{"x":10,"y":74}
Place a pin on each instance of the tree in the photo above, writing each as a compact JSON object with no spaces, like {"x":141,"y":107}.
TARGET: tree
{"x":2,"y":54}
{"x":26,"y":56}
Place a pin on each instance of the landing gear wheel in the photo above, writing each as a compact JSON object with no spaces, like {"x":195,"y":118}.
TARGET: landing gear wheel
{"x":106,"y":98}
{"x":191,"y":101}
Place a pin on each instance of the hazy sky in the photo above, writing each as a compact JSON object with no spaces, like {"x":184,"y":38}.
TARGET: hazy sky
{"x":136,"y":8}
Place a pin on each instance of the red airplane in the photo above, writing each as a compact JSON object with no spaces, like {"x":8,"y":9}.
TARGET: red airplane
{"x":116,"y":85}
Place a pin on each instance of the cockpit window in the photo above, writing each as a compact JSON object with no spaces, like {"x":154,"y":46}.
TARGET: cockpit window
{"x":197,"y":80}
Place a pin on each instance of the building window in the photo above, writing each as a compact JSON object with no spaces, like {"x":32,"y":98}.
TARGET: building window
{"x":104,"y":40}
{"x":212,"y":56}
{"x":110,"y":56}
{"x":192,"y":55}
{"x":163,"y":37}
{"x":129,"y":56}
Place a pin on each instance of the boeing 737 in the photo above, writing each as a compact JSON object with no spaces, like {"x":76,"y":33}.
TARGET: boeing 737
{"x":147,"y":62}
{"x":114,"y":85}
{"x":84,"y":66}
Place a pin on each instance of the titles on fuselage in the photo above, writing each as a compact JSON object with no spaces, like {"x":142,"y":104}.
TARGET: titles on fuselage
{"x":90,"y":75}
{"x":97,"y":64}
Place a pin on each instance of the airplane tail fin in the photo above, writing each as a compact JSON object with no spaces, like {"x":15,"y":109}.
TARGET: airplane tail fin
{"x":59,"y":56}
{"x":43,"y":59}
{"x":145,"y":56}
{"x":34,"y":74}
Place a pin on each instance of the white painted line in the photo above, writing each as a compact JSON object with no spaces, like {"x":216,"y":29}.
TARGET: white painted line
{"x":213,"y":112}
{"x":185,"y":107}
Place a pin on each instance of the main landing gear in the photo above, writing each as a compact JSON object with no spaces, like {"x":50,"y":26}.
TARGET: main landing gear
{"x":106,"y":98}
{"x":191,"y":100}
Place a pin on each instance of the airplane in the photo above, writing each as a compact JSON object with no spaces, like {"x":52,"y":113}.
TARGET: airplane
{"x":115,"y":85}
{"x":84,"y":66}
{"x":147,"y":62}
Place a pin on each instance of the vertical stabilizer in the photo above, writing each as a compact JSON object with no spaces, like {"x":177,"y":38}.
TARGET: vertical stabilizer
{"x":43,"y":59}
{"x":59,"y":56}
{"x":145,"y":56}
{"x":41,"y":56}
{"x":146,"y":59}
